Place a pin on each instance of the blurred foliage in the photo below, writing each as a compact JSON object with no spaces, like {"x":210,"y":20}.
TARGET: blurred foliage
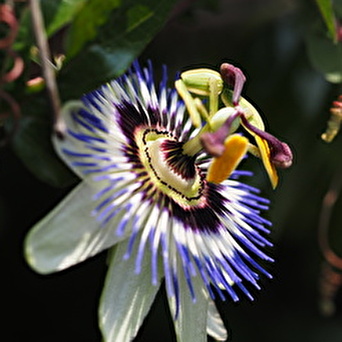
{"x":323,"y":40}
{"x":100,"y":40}
{"x":328,"y":14}
{"x":291,"y":52}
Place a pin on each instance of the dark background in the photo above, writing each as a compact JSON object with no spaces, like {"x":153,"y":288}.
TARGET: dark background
{"x":267,"y":40}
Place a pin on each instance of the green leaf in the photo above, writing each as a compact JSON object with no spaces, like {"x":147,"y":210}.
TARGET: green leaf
{"x":327,"y":11}
{"x":118,"y":42}
{"x":32,"y":144}
{"x":56,"y":15}
{"x":137,"y":15}
{"x":25,"y":36}
{"x":338,"y":8}
{"x":325,"y":56}
{"x":85,"y":27}
{"x":63,"y":12}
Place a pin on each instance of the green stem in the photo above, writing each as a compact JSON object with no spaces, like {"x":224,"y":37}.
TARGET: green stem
{"x":47,"y":66}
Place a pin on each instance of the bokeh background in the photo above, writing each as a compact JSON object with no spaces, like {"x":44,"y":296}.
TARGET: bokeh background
{"x":267,"y":39}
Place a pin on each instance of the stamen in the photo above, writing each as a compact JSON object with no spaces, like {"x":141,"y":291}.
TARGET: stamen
{"x":211,"y":137}
{"x":235,"y":148}
{"x":213,"y":143}
{"x":235,"y":77}
{"x":274,"y":153}
{"x":265,"y":157}
{"x":189,"y":102}
{"x":280,"y":152}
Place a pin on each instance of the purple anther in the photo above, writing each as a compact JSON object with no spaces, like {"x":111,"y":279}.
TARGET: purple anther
{"x":234,"y":77}
{"x":280,"y":152}
{"x":213,"y":143}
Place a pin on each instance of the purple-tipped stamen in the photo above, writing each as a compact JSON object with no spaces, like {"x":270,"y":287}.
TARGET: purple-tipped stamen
{"x":280,"y":152}
{"x":233,"y":76}
{"x":213,"y":143}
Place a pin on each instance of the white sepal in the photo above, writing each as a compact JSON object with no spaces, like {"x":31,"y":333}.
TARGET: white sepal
{"x":191,"y":322}
{"x":127,"y":297}
{"x":215,"y":326}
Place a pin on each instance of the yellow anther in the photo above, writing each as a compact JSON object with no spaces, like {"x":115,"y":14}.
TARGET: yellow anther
{"x":236,"y":147}
{"x":265,"y":157}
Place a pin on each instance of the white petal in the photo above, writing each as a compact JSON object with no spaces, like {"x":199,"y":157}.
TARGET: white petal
{"x":67,"y":141}
{"x":215,"y":326}
{"x":76,"y":151}
{"x":69,"y":234}
{"x":191,"y":323}
{"x":127,"y":297}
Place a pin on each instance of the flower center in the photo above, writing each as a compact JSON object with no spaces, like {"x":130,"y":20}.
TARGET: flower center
{"x":170,"y":170}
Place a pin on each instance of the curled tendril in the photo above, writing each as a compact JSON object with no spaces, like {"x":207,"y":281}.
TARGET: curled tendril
{"x":329,"y":285}
{"x":7,"y":16}
{"x":10,"y":109}
{"x":16,"y":69}
{"x":331,"y":271}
